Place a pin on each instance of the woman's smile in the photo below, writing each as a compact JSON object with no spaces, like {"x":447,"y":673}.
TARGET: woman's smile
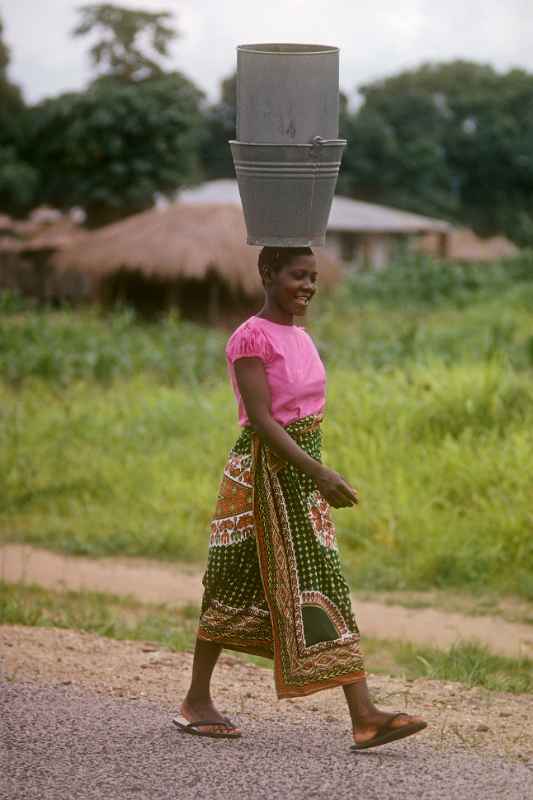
{"x":302,"y":301}
{"x":295,"y":285}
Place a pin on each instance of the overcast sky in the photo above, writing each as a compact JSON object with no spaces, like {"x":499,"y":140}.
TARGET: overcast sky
{"x":376,"y":37}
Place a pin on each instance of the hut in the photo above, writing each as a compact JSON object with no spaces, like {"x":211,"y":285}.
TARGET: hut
{"x":192,"y":256}
{"x":26,"y":249}
{"x":362,"y":235}
{"x":464,"y":245}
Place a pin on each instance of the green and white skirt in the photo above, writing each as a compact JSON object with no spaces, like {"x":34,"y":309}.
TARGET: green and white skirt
{"x":273,"y":584}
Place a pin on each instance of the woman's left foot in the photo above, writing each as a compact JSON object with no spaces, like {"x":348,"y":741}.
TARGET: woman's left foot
{"x":383,"y":727}
{"x":203,"y":719}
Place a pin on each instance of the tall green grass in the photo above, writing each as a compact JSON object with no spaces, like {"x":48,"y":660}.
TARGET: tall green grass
{"x":444,"y":471}
{"x":113,"y":432}
{"x":64,"y":346}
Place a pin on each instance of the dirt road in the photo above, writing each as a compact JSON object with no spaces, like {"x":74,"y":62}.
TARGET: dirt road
{"x":89,"y":717}
{"x":153,"y":581}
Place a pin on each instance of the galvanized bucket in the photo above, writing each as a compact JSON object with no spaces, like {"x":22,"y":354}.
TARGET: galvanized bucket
{"x":287,"y":93}
{"x":287,"y":190}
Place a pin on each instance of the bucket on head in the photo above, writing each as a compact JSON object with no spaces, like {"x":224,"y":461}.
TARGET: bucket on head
{"x":287,"y":93}
{"x":287,"y":190}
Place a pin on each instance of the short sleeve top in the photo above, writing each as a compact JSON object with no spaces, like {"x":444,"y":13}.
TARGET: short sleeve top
{"x":294,"y":370}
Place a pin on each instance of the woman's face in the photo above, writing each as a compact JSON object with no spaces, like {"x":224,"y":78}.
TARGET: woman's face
{"x":293,"y":287}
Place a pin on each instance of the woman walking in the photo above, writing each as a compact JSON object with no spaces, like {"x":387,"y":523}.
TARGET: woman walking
{"x":273,"y":584}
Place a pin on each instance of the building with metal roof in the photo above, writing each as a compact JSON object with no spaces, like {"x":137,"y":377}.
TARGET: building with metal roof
{"x":360,"y":234}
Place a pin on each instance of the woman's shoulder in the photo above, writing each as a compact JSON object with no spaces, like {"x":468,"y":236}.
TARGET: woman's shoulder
{"x":249,"y":339}
{"x":245,"y":329}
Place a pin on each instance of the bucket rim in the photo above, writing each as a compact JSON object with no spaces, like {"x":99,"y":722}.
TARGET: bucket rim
{"x":289,"y":48}
{"x":323,"y":143}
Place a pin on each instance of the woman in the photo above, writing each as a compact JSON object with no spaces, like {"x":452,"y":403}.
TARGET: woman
{"x":273,"y":584}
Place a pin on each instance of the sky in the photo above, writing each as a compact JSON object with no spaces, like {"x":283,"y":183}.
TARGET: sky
{"x":376,"y":37}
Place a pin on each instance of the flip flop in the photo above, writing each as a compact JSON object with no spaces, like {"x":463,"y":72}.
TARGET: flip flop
{"x":386,"y":734}
{"x":191,"y":727}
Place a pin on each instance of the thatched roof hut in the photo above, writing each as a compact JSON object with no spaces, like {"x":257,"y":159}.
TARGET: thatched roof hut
{"x":363,"y":235}
{"x":196,"y":254}
{"x":25,"y":250}
{"x":464,"y":245}
{"x":6,"y":224}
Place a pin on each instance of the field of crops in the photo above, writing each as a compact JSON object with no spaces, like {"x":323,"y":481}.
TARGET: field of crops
{"x":113,"y":432}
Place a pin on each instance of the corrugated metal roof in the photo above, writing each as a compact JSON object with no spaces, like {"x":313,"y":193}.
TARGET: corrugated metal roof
{"x":351,"y":216}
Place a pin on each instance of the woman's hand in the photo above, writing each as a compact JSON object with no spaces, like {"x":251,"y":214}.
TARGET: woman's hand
{"x":335,"y":489}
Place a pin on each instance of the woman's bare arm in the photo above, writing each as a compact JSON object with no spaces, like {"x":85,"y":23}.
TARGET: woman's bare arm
{"x":255,"y":393}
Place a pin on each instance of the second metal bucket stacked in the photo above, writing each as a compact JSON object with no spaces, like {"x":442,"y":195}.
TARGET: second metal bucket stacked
{"x":287,"y":153}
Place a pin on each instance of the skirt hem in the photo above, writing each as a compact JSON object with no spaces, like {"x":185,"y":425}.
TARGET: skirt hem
{"x":312,"y":688}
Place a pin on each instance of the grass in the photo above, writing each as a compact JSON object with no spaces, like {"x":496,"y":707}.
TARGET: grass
{"x":113,"y":432}
{"x":133,"y":469}
{"x":482,"y":603}
{"x":465,"y":662}
{"x":175,"y":628}
{"x":98,"y":612}
{"x":61,"y":347}
{"x":419,"y":309}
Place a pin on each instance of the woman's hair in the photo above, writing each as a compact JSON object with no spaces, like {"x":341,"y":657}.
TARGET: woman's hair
{"x":275,"y":258}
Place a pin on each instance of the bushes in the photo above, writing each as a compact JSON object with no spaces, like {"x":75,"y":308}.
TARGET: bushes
{"x":419,"y":280}
{"x":65,"y":346}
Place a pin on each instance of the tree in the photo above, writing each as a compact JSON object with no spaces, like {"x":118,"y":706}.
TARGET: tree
{"x":130,"y":43}
{"x":452,"y":139}
{"x":220,"y":121}
{"x":134,"y":133}
{"x":18,"y":179}
{"x":112,"y":148}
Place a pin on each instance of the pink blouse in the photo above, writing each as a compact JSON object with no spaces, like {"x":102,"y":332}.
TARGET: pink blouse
{"x":294,"y":370}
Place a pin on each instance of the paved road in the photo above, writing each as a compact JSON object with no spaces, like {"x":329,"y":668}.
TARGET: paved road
{"x":63,"y":742}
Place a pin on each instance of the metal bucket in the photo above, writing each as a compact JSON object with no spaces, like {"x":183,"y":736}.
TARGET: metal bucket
{"x":287,"y":93}
{"x":287,"y":190}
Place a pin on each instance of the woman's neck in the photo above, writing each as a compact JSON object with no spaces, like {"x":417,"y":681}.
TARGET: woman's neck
{"x":275,"y":314}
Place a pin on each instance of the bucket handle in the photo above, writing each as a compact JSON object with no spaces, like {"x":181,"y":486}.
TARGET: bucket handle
{"x":317,"y":142}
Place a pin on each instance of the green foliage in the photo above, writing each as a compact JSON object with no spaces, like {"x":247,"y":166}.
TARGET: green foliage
{"x":394,"y":156}
{"x":433,"y":401}
{"x":413,"y":313}
{"x":18,"y":178}
{"x":98,"y":612}
{"x":11,"y":302}
{"x":441,"y":456}
{"x":18,"y":182}
{"x":64,"y":347}
{"x":220,"y":119}
{"x":420,"y":281}
{"x":452,"y":139}
{"x":109,"y":427}
{"x":10,"y":96}
{"x":419,"y":310}
{"x":126,"y":37}
{"x":469,"y":663}
{"x":112,"y":148}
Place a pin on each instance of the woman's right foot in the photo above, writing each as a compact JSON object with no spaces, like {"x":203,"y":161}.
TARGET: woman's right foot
{"x":205,"y":710}
{"x":380,"y":727}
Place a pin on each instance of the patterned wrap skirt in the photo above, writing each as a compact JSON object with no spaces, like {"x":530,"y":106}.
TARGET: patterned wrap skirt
{"x":273,"y":585}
